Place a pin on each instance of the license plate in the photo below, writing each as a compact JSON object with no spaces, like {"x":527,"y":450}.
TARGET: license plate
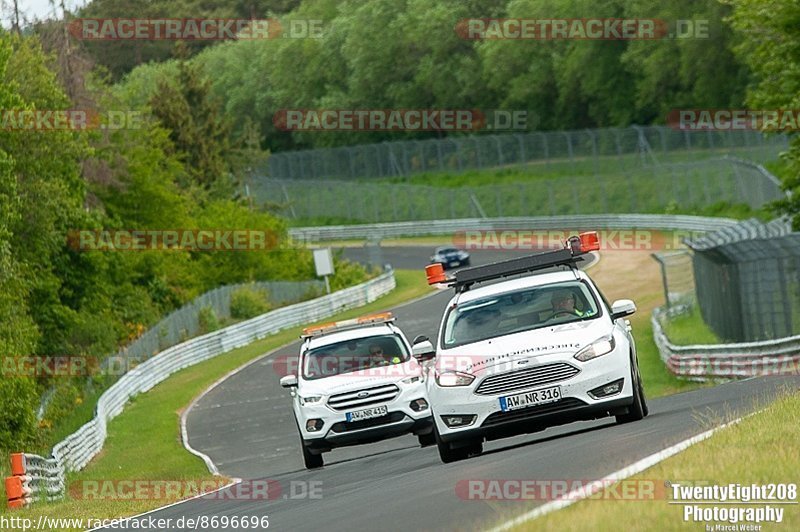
{"x":367,"y":413}
{"x":455,"y":263}
{"x":524,"y":400}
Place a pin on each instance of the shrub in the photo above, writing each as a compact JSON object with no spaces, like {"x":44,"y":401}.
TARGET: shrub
{"x":18,"y":404}
{"x":248,"y":302}
{"x":208,"y":320}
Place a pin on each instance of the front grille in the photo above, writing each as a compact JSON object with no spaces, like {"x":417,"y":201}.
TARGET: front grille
{"x":524,"y":413}
{"x":526,"y":378}
{"x":344,"y":426}
{"x":376,"y":395}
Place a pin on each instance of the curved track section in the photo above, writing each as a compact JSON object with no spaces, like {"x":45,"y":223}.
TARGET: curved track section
{"x":245,"y":424}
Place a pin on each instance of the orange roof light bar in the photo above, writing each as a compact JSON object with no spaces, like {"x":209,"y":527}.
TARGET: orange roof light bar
{"x":381,"y":317}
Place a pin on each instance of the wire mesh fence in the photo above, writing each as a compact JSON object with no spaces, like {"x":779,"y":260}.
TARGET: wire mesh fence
{"x":677,"y":278}
{"x":748,"y":281}
{"x":588,"y":152}
{"x":185,"y":322}
{"x":667,"y":188}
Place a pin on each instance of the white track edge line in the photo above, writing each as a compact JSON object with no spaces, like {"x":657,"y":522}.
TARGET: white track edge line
{"x":117,"y":520}
{"x":212,"y":467}
{"x":628,"y":471}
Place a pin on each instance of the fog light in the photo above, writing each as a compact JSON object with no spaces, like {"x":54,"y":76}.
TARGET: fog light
{"x":419,"y":405}
{"x":612,"y":388}
{"x":458,"y":421}
{"x":314,"y":425}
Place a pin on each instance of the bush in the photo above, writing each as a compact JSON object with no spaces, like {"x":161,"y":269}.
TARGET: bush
{"x":66,"y":395}
{"x":18,"y":404}
{"x":208,"y":320}
{"x":248,"y":302}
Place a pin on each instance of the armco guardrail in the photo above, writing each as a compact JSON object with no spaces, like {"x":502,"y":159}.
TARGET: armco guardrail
{"x":666,"y":222}
{"x":33,"y":478}
{"x":77,"y":449}
{"x":726,"y":361}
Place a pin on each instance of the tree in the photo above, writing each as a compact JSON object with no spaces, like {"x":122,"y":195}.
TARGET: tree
{"x":769,"y":32}
{"x":196,"y":125}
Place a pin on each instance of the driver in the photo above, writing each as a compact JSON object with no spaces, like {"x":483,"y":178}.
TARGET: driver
{"x":380,"y":358}
{"x":563,"y":302}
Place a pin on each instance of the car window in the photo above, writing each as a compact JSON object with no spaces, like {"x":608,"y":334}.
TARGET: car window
{"x":354,"y":355}
{"x":518,"y":311}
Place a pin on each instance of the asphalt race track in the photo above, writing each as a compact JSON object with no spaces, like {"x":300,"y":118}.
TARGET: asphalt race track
{"x":246,"y":426}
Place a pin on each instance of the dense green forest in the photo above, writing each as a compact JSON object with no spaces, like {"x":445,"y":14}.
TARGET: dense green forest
{"x":208,"y":109}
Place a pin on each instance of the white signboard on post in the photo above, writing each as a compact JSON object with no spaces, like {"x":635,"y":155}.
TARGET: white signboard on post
{"x":323,"y":262}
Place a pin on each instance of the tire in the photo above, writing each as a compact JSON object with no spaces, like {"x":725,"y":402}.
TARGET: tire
{"x":645,"y":408}
{"x":311,"y":461}
{"x":638,"y":410}
{"x":426,"y":440}
{"x":448,"y":455}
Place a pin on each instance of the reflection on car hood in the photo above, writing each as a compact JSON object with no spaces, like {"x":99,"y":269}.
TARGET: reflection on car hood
{"x":485,"y":355}
{"x":347,"y":382}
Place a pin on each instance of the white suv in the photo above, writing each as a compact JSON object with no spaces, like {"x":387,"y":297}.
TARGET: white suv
{"x":530,"y":352}
{"x":357,"y":382}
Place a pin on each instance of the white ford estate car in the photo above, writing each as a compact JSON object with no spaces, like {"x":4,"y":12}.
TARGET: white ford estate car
{"x":357,"y":382}
{"x":540,"y":347}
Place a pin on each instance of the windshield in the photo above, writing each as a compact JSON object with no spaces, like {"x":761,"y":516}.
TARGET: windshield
{"x":354,"y":355}
{"x":523,"y":310}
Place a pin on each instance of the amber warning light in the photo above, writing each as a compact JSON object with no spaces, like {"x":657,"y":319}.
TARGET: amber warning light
{"x":589,"y":241}
{"x":435,"y":273}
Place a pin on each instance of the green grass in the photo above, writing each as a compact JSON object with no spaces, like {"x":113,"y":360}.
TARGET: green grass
{"x":560,"y":168}
{"x":710,"y":190}
{"x":761,"y":449}
{"x":153,"y":418}
{"x":689,"y":329}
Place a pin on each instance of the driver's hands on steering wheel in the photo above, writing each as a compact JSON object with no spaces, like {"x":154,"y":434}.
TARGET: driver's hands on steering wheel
{"x":559,"y":312}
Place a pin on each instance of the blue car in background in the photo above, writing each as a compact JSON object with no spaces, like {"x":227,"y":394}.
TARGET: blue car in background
{"x":450,"y":257}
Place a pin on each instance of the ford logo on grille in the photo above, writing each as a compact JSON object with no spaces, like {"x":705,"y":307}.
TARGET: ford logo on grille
{"x":362,"y":395}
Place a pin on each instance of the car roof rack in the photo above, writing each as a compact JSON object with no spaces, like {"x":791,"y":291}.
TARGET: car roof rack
{"x":569,"y":255}
{"x":344,"y":325}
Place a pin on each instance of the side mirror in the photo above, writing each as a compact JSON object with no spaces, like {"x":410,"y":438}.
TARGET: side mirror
{"x":423,"y":350}
{"x":622,"y":308}
{"x":289,"y":381}
{"x":420,"y":338}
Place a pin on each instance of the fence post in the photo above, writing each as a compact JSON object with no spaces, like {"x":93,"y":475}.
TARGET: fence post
{"x":594,"y":151}
{"x":569,"y":148}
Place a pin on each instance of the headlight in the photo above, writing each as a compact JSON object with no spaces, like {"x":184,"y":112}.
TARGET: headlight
{"x":412,"y":380}
{"x":600,"y":347}
{"x":310,"y":400}
{"x":454,"y":378}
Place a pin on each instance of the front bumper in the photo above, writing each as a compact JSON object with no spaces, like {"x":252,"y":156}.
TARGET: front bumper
{"x":576,"y":404}
{"x":338,"y":432}
{"x":405,"y":425}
